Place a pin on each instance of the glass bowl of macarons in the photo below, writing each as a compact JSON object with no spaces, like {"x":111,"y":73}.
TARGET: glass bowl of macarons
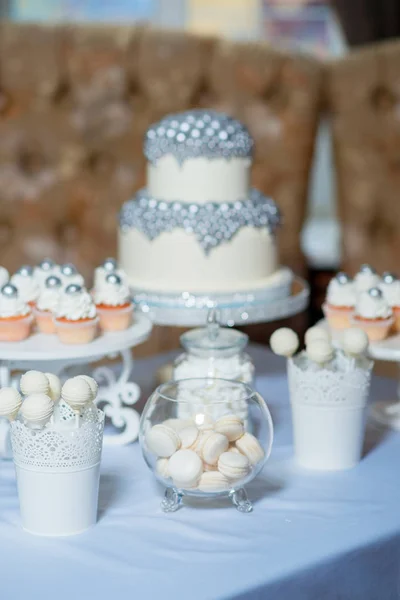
{"x":205,"y":437}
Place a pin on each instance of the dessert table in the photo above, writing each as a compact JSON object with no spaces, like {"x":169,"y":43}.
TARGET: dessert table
{"x":311,"y":536}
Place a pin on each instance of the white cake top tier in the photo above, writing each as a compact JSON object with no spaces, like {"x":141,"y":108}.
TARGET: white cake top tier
{"x":197,"y":133}
{"x":198,"y":156}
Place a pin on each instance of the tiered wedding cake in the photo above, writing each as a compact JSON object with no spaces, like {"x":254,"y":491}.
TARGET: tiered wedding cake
{"x":198,"y":226}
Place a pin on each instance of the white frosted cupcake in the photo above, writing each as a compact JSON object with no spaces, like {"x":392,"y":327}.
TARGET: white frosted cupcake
{"x":26,"y":284}
{"x":340,"y":301}
{"x":113,"y":303}
{"x":366,"y":278}
{"x":47,"y":304}
{"x":44,"y":269}
{"x":110,"y":265}
{"x":15,"y":315}
{"x":75,"y":317}
{"x":390,"y":287}
{"x":373,"y":314}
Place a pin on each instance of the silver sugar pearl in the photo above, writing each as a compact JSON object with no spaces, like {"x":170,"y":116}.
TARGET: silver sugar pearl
{"x":114,"y":279}
{"x":47,"y":264}
{"x":25,"y":271}
{"x":367,"y":269}
{"x":9,"y":290}
{"x":110,"y":264}
{"x":389,"y":277}
{"x":342,"y":278}
{"x":53,"y":282}
{"x":73,"y":289}
{"x":68,"y":269}
{"x":375,"y":292}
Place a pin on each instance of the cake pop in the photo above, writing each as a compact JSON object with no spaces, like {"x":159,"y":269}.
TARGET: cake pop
{"x":284,"y":342}
{"x":54,"y":387}
{"x":37,"y":409}
{"x":10,"y":403}
{"x":34,"y":382}
{"x":77,"y":393}
{"x":316,"y":333}
{"x":320,"y":352}
{"x":354,"y":343}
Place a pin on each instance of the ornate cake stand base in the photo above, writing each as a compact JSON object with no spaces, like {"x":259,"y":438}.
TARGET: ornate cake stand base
{"x":173,"y":500}
{"x":116,"y":394}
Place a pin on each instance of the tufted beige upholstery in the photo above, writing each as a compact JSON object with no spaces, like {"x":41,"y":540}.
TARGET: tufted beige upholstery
{"x":363,"y":91}
{"x":74,"y":106}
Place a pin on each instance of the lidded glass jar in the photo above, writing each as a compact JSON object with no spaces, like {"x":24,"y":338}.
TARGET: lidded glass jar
{"x":214,"y":351}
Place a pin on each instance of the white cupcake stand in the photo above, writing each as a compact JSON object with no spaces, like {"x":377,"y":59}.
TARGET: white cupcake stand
{"x":116,"y":394}
{"x":261,"y":305}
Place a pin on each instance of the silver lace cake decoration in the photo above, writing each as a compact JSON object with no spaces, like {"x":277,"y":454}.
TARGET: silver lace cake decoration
{"x":212,"y":223}
{"x":196,"y":133}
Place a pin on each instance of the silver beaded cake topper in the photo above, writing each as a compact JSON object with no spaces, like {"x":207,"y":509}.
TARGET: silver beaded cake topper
{"x":47,"y":264}
{"x":110,"y":264}
{"x":53,"y":282}
{"x":25,"y":271}
{"x":343,"y":278}
{"x":375,"y":292}
{"x":196,"y":133}
{"x":367,"y":269}
{"x":73,"y":289}
{"x":212,"y":223}
{"x":114,"y":279}
{"x":9,"y":290}
{"x":68,"y":269}
{"x":388,"y":277}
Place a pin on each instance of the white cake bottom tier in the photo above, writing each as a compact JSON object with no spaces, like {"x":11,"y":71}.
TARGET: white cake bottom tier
{"x":175,"y":262}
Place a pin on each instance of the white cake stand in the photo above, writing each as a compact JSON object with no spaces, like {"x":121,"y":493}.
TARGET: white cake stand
{"x":385,"y":412}
{"x":46,"y":352}
{"x":241,"y":308}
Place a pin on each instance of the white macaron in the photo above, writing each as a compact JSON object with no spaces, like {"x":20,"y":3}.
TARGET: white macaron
{"x":213,"y":481}
{"x":185,"y":467}
{"x":250,"y":447}
{"x":231,"y":426}
{"x":162,"y":467}
{"x":162,"y":440}
{"x":188,"y":436}
{"x":233,"y":466}
{"x":213,"y":447}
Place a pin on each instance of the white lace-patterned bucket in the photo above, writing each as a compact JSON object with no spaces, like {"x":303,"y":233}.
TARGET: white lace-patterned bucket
{"x":328,"y":411}
{"x":58,"y":473}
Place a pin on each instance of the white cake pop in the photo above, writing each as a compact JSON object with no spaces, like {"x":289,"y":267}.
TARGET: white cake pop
{"x":316,"y":333}
{"x":34,"y":382}
{"x":94,"y":387}
{"x":354,"y":341}
{"x":37,"y":409}
{"x":10,"y":403}
{"x":284,"y":342}
{"x":320,"y":352}
{"x":77,"y":393}
{"x":54,"y":387}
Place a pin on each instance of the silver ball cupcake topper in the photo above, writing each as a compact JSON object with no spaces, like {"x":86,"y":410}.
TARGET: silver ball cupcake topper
{"x":110,"y":264}
{"x":114,"y":279}
{"x":68,"y":269}
{"x":47,"y":264}
{"x":9,"y":290}
{"x":343,"y":278}
{"x":25,"y":271}
{"x":367,"y":270}
{"x":375,"y":292}
{"x":73,"y":289}
{"x":53,"y":282}
{"x":389,"y":277}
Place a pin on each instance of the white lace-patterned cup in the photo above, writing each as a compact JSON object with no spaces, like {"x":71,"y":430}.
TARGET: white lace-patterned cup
{"x":328,"y":411}
{"x":58,"y":472}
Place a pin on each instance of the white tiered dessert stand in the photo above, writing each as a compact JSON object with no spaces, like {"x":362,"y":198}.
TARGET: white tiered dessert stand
{"x":186,"y":309}
{"x":116,"y":394}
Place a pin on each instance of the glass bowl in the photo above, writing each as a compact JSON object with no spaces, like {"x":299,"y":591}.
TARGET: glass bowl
{"x":205,"y":437}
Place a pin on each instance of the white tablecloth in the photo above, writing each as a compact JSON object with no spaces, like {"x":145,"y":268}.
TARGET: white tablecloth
{"x":311,"y":536}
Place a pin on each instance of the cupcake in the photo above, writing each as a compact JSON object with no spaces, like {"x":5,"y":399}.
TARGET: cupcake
{"x":26,"y":285}
{"x":15,"y":315}
{"x":113,"y":303}
{"x":47,"y":303}
{"x":373,"y":314}
{"x":366,"y":278}
{"x":44,"y":269}
{"x":390,"y":287}
{"x":75,"y":317}
{"x":340,"y":301}
{"x":110,"y":265}
{"x":69,"y":274}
